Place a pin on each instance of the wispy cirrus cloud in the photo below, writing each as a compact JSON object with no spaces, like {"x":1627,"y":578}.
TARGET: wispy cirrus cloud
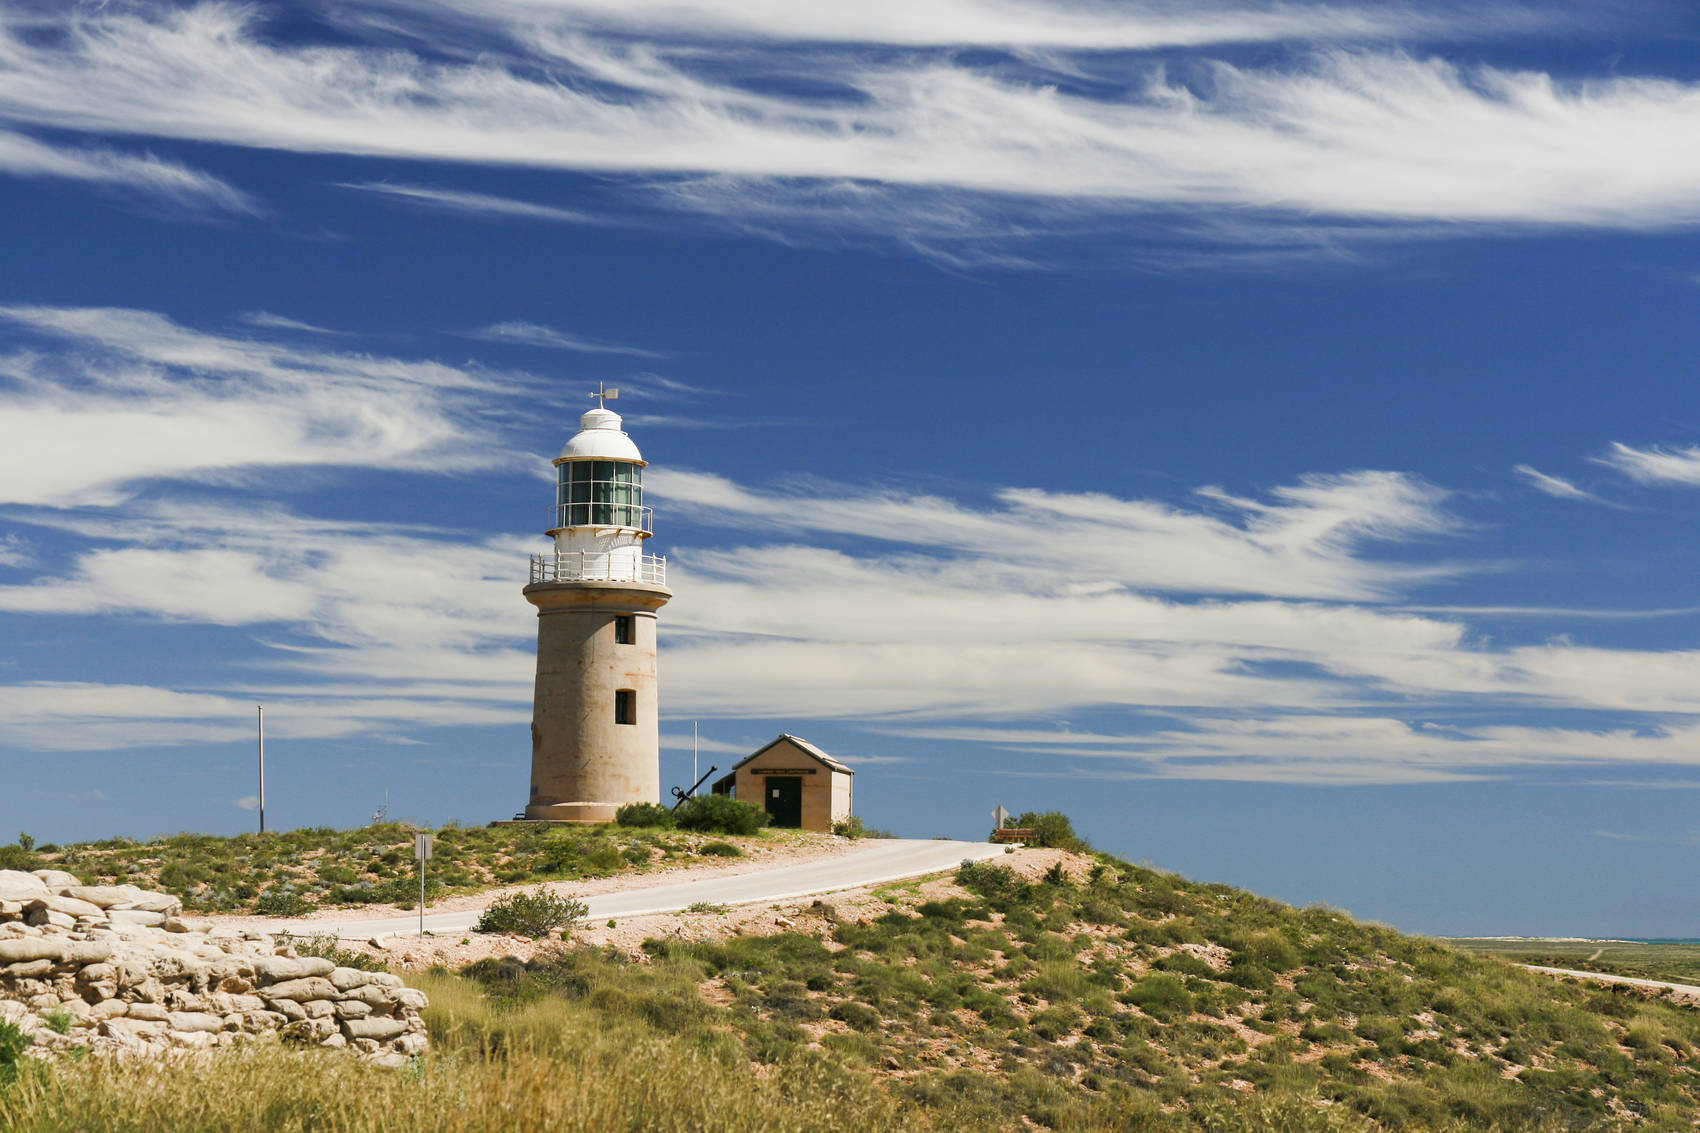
{"x":1367,"y":136}
{"x":266,"y":320}
{"x":145,"y":176}
{"x":1555,"y":486}
{"x":536,"y":334}
{"x":141,"y":398}
{"x":1656,"y":466}
{"x":482,"y":205}
{"x":1032,"y":24}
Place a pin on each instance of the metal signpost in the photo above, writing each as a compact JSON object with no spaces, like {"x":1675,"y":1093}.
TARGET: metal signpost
{"x":1000,"y":817}
{"x":261,"y":709}
{"x":422,"y":854}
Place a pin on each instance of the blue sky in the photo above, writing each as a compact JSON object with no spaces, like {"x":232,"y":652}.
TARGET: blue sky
{"x":1266,"y":433}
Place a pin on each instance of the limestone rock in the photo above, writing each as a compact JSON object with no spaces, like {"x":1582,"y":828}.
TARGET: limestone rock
{"x":136,"y":916}
{"x":377,"y":1027}
{"x":195,"y":1021}
{"x":278,"y":969}
{"x":16,"y":885}
{"x":105,"y":896}
{"x":301,"y":990}
{"x":56,"y":878}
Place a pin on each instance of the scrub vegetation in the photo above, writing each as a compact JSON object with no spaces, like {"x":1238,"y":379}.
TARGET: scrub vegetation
{"x":1676,"y":961}
{"x":292,"y":873}
{"x":1098,"y":996}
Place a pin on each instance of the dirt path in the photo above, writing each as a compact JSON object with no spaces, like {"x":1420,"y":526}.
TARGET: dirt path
{"x":1683,"y":991}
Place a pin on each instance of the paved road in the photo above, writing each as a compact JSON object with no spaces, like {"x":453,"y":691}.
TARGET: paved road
{"x":1600,"y":977}
{"x":881,"y":860}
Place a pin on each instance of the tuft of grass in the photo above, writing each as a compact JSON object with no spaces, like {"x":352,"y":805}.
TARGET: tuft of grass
{"x":720,"y":850}
{"x":327,"y":946}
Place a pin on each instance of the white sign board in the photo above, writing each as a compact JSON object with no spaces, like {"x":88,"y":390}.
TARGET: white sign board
{"x":422,"y":847}
{"x":999,"y":817}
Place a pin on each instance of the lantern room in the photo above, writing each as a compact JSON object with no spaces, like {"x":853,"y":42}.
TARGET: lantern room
{"x":599,"y":478}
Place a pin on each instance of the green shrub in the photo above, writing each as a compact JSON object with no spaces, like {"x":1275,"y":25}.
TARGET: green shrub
{"x":1161,"y":997}
{"x":987,"y":880}
{"x":1267,"y":950}
{"x":719,"y":814}
{"x":13,"y":1043}
{"x":1052,"y":828}
{"x":644,"y":814}
{"x":721,"y":850}
{"x":854,"y":827}
{"x":19,"y":858}
{"x":859,"y":1016}
{"x":531,"y":914}
{"x":59,"y":1021}
{"x":280,"y":902}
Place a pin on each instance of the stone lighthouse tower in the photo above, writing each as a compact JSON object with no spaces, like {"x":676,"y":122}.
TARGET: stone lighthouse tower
{"x":595,"y":742}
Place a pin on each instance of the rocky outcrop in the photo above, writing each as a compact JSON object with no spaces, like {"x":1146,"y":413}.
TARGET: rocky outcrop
{"x":116,"y":968}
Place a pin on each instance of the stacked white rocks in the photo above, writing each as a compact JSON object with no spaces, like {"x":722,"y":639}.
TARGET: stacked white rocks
{"x":115,"y":968}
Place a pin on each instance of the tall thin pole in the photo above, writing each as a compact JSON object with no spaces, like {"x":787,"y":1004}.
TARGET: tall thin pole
{"x":261,"y":709}
{"x":694,"y":775}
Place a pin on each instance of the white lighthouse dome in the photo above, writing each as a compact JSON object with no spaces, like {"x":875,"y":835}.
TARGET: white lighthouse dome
{"x":600,"y":438}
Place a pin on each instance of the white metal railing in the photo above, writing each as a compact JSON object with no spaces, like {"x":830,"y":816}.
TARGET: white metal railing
{"x":602,"y":515}
{"x":599,"y":566}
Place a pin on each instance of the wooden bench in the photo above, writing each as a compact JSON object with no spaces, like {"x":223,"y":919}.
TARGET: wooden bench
{"x":1014,"y":834}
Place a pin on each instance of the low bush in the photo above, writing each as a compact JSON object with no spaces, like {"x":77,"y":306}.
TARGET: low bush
{"x":1053,"y":829}
{"x":721,"y":850}
{"x":987,"y":880}
{"x":327,"y":946}
{"x":644,"y":814}
{"x":277,"y":902}
{"x":718,"y":814}
{"x":13,"y":1043}
{"x":531,"y":914}
{"x":854,"y":827}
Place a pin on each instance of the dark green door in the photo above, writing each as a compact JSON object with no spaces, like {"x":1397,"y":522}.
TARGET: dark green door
{"x":785,"y":800}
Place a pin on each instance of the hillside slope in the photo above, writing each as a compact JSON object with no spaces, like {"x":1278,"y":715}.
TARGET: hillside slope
{"x":1099,"y":995}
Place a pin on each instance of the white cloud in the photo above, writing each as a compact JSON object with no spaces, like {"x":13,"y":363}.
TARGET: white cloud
{"x":1552,"y":485}
{"x":535,"y":334}
{"x":14,"y":552}
{"x":142,"y":398}
{"x":1655,"y":466}
{"x":152,"y":178}
{"x":989,"y":23}
{"x":269,"y":321}
{"x":1305,"y":542}
{"x":248,"y":802}
{"x":1369,"y":136}
{"x":472,"y":204}
{"x":1309,"y":749}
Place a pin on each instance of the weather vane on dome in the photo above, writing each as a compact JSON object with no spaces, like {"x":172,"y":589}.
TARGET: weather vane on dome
{"x":603,"y":396}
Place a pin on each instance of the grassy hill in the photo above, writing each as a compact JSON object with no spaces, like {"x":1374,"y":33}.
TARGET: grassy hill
{"x":1100,"y":996}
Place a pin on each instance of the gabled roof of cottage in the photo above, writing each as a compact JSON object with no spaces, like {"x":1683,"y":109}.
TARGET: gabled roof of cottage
{"x":804,"y":746}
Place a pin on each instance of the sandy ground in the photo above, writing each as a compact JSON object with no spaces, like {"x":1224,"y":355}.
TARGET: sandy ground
{"x":807,"y":914}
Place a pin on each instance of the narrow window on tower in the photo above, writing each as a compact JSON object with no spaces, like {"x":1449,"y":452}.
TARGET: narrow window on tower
{"x":625,"y":706}
{"x":625,"y":629}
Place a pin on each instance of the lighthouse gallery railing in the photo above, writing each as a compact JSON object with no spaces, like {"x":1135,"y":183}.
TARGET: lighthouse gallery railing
{"x":599,"y":566}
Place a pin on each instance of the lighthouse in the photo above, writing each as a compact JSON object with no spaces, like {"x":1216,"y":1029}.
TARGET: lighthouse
{"x":595,"y":731}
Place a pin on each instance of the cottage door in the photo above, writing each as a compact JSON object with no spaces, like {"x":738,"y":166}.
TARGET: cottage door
{"x":785,"y":800}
